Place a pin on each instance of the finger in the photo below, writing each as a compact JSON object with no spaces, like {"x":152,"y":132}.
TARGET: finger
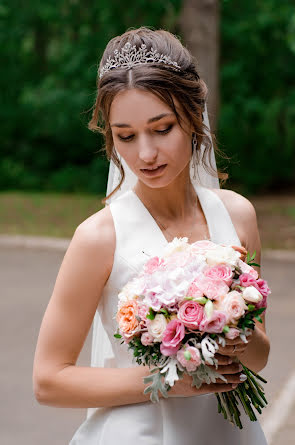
{"x":217,"y":387}
{"x":223,"y":359}
{"x":234,"y":368}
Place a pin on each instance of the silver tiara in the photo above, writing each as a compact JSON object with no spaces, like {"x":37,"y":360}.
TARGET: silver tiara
{"x":130,"y":56}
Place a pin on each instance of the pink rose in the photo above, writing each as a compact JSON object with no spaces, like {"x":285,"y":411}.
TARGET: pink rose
{"x":195,"y":357}
{"x":153,"y":264}
{"x":194,"y":291}
{"x":233,"y":305}
{"x":147,"y":339}
{"x":172,"y":337}
{"x":190,"y":314}
{"x":245,"y":268}
{"x":213,"y":289}
{"x":232,"y":333}
{"x":219,"y":272}
{"x":201,"y":246}
{"x":247,"y":280}
{"x":215,"y":324}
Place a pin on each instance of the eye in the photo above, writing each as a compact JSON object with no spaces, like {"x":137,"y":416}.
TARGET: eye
{"x":127,"y":138}
{"x":166,"y":130}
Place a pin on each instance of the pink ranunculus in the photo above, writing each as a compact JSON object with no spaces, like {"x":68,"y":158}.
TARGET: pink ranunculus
{"x":219,"y":272}
{"x":212,"y":289}
{"x":245,"y":268}
{"x":262,"y":287}
{"x":191,"y":314}
{"x":193,"y":362}
{"x":233,"y":305}
{"x":147,"y":339}
{"x":215,"y":324}
{"x":247,"y":280}
{"x":153,"y":264}
{"x":232,"y":333}
{"x":172,"y":337}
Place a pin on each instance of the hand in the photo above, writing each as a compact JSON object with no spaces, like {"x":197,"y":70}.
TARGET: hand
{"x":231,"y":371}
{"x":242,"y":250}
{"x":234,"y":347}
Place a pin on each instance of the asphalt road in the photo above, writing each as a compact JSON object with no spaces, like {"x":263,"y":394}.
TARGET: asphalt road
{"x":27,"y":278}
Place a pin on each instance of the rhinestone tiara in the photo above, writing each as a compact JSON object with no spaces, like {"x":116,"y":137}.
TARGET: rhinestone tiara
{"x":129,"y":56}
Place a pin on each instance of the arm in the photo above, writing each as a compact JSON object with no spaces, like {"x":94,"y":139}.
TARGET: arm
{"x":243,"y":214}
{"x":57,"y":380}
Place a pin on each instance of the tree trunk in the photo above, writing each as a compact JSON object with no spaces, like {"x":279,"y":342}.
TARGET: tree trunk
{"x":199,"y":24}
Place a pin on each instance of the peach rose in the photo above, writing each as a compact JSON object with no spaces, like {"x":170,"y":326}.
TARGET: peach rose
{"x":126,"y":318}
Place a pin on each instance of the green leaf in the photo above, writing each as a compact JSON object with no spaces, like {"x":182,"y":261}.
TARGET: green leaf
{"x":151,"y":315}
{"x":118,"y":335}
{"x":258,"y":318}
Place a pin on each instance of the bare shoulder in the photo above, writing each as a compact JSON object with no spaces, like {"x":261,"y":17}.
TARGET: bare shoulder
{"x":243,"y":215}
{"x":96,"y":234}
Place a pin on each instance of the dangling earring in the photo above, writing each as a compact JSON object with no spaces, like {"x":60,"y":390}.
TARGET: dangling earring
{"x":194,"y":149}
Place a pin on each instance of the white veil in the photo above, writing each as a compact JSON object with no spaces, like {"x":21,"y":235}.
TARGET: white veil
{"x":102,"y":353}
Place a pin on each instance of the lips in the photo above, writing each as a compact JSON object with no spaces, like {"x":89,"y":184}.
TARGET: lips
{"x":155,"y":171}
{"x":152,"y":168}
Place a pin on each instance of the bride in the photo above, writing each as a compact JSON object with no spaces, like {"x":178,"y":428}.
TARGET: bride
{"x":162,"y":184}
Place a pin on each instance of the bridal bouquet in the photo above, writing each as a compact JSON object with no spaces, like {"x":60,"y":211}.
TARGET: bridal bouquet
{"x":177,"y":311}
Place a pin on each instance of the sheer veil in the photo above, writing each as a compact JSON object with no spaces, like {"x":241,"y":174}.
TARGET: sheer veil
{"x":102,"y":353}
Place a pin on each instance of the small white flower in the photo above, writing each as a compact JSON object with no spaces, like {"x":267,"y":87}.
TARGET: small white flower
{"x":177,"y":245}
{"x":251,"y":294}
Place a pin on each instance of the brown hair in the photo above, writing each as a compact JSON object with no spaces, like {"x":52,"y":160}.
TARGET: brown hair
{"x":162,"y":80}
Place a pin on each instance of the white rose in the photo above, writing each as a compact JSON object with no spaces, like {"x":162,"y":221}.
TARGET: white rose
{"x":222,"y":254}
{"x":157,"y":326}
{"x":251,"y":294}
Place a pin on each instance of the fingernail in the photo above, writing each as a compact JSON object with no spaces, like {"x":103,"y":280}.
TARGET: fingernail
{"x":234,"y":385}
{"x":230,"y":361}
{"x":240,"y":367}
{"x":243,"y":377}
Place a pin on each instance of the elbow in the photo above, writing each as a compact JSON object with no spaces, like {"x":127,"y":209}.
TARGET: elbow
{"x":41,"y":390}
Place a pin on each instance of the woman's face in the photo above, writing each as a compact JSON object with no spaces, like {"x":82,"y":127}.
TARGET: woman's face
{"x":147,"y":135}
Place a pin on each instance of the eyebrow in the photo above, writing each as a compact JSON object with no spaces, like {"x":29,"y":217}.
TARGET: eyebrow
{"x":152,"y":119}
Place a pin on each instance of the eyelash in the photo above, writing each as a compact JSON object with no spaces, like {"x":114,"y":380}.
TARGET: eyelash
{"x":128,"y":138}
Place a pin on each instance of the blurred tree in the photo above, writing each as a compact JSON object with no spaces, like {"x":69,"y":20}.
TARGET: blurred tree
{"x":50,"y":55}
{"x":199,"y":23}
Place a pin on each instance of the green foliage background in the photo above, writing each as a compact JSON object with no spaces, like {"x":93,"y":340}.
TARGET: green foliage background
{"x":51,"y":50}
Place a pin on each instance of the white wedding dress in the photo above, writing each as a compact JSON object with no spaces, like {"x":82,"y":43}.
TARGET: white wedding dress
{"x":176,"y":420}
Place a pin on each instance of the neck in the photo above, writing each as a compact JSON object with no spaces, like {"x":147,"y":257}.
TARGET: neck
{"x":177,"y":201}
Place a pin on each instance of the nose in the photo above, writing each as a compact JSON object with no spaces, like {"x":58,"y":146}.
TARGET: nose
{"x":147,"y":150}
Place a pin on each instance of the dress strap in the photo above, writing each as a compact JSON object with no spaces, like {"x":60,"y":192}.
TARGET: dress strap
{"x":218,"y":218}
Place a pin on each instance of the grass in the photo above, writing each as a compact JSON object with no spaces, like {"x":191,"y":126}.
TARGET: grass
{"x":45,"y":214}
{"x":58,"y":215}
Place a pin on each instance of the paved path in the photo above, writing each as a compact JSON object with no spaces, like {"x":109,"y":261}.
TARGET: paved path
{"x":27,"y":278}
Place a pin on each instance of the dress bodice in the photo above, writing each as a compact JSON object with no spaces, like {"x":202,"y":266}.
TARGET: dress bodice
{"x":172,"y":421}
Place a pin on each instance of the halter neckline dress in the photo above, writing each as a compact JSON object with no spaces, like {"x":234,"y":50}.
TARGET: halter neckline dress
{"x":176,"y":420}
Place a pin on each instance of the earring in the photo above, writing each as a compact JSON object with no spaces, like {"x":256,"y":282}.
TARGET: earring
{"x":194,"y":149}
